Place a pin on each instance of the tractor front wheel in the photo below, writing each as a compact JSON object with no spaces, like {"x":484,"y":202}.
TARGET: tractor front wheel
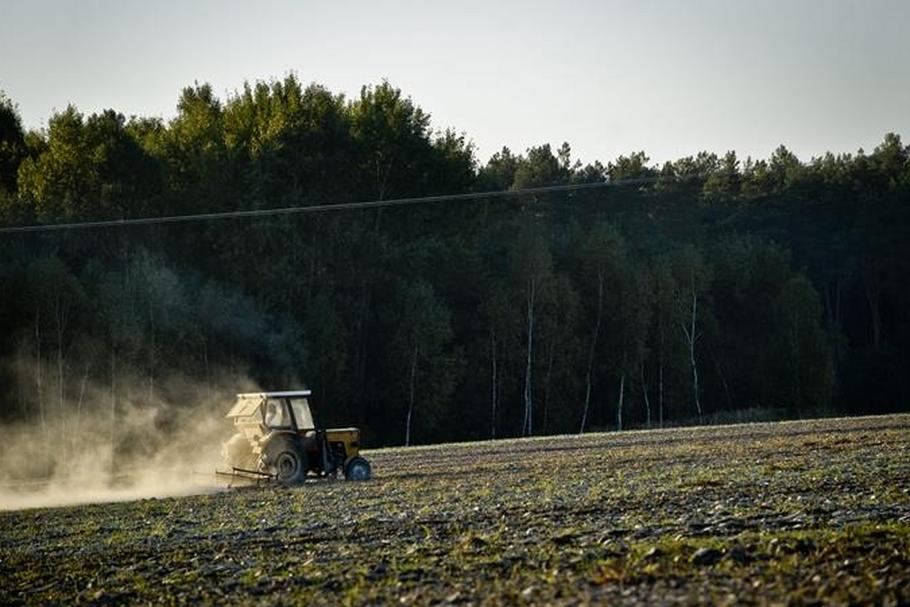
{"x":358,"y":469}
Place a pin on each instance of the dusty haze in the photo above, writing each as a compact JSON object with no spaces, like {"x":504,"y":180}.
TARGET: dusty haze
{"x":138,"y":443}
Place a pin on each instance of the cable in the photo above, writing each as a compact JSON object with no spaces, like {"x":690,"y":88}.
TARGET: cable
{"x":321,"y":208}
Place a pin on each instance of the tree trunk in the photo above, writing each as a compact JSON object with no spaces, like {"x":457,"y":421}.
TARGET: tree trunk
{"x":412,"y":384}
{"x":20,"y":385}
{"x":113,"y":406}
{"x":591,"y":350}
{"x":495,"y":387}
{"x":74,"y":438}
{"x":361,"y":328}
{"x":723,"y":381}
{"x":797,"y":375}
{"x":660,"y":368}
{"x":691,"y":338}
{"x":546,"y":386}
{"x":382,"y":179}
{"x":622,"y":388}
{"x":660,"y":395}
{"x":527,"y":427}
{"x":382,"y":176}
{"x":644,"y":392}
{"x":832,"y":301}
{"x":151,"y":396}
{"x":39,"y":387}
{"x":872,"y":298}
{"x":61,"y":385}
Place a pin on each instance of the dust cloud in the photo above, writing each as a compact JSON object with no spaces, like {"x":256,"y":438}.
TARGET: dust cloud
{"x":136,"y":441}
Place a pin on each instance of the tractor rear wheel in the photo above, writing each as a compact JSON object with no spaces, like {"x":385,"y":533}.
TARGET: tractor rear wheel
{"x":290,"y":463}
{"x":358,"y":469}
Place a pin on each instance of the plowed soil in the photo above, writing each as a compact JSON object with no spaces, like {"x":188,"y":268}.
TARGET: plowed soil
{"x":804,"y":512}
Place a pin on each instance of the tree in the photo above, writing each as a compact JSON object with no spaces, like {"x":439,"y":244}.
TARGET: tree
{"x":664,"y":291}
{"x":200,"y":170}
{"x":541,"y":168}
{"x":90,"y":169}
{"x":637,"y":323}
{"x":12,"y":144}
{"x":501,"y":331}
{"x":57,"y":303}
{"x":392,"y":136}
{"x":602,"y":259}
{"x":557,"y":328}
{"x":691,"y":275}
{"x":454,"y":167}
{"x":590,"y":173}
{"x":890,"y":159}
{"x":531,"y":269}
{"x":325,"y":339}
{"x":295,"y":142}
{"x":784,"y":169}
{"x":628,"y":329}
{"x":419,"y":346}
{"x":160,"y":300}
{"x":637,"y":304}
{"x":805,"y":360}
{"x":499,"y":172}
{"x":633,"y":166}
{"x":724,"y":181}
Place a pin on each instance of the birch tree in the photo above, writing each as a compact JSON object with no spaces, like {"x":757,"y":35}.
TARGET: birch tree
{"x":691,"y":274}
{"x":602,"y":257}
{"x":629,"y":315}
{"x":57,"y":301}
{"x":501,"y":332}
{"x":532,"y":271}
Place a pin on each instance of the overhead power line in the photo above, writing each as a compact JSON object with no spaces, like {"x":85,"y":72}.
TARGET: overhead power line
{"x":322,"y":208}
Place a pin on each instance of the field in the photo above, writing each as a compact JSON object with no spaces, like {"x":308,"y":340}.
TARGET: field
{"x":801,"y":512}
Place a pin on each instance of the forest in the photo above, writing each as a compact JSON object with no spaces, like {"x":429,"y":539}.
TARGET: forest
{"x":709,"y":289}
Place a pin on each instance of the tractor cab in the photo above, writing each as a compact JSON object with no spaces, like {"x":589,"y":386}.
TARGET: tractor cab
{"x":288,"y":413}
{"x":276,"y":434}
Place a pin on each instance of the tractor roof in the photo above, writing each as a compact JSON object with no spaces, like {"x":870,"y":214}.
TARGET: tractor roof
{"x":286,"y":394}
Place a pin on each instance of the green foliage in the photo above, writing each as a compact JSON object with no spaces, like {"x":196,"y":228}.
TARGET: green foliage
{"x":527,"y":314}
{"x":90,"y":169}
{"x":542,"y":168}
{"x":724,"y":182}
{"x":499,"y":172}
{"x":633,"y":166}
{"x":12,"y":144}
{"x":392,"y":137}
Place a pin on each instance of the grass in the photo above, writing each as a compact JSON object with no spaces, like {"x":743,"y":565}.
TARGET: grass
{"x":806,"y":512}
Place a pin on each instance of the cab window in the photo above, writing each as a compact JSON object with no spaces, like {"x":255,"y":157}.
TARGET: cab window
{"x":302,"y":413}
{"x":276,"y":415}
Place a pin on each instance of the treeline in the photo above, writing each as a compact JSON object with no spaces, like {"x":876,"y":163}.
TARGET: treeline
{"x":710,"y":288}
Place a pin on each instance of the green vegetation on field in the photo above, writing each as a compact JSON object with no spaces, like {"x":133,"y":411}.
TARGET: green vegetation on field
{"x":807,"y":512}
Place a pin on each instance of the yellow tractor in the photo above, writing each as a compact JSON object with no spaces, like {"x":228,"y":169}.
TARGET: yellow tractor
{"x":276,"y":436}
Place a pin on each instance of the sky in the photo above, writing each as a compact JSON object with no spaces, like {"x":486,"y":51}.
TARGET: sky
{"x":670,"y":77}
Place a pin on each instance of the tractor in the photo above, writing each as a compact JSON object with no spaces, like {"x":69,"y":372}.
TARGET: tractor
{"x":276,"y":437}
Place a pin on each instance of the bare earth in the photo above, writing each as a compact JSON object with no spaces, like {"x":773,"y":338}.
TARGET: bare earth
{"x":804,"y":512}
